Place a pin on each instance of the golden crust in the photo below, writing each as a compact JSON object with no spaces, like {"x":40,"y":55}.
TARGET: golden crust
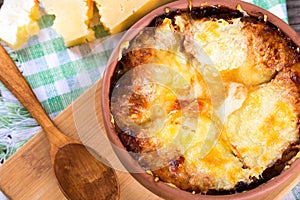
{"x":268,"y":47}
{"x":253,"y":137}
{"x":268,"y":53}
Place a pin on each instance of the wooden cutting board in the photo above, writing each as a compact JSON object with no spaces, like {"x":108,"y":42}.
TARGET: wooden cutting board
{"x":28,"y":173}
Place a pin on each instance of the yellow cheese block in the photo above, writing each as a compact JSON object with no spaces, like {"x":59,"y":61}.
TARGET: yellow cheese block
{"x":18,"y":21}
{"x":117,"y":15}
{"x":71,"y":19}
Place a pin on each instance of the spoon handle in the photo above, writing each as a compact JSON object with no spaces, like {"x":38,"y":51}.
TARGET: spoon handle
{"x":12,"y":78}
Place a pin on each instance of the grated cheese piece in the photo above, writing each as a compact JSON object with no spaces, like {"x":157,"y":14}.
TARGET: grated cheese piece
{"x":71,"y":20}
{"x":117,"y":15}
{"x":18,"y":21}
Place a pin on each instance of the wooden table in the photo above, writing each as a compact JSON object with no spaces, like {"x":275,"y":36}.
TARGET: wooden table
{"x":293,"y":9}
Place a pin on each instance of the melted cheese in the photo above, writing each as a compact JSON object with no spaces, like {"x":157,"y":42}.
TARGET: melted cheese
{"x":223,"y":42}
{"x":18,"y":21}
{"x":222,"y":168}
{"x":227,"y":132}
{"x":265,"y":124}
{"x":235,"y":96}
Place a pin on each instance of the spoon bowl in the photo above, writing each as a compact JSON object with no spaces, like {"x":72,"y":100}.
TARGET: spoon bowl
{"x":81,"y":173}
{"x":99,"y":181}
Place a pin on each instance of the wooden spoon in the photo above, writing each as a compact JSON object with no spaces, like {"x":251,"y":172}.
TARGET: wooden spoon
{"x":80,"y":172}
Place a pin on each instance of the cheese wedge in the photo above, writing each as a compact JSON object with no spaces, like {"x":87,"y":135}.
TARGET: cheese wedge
{"x":71,"y":19}
{"x":18,"y":21}
{"x":117,"y":15}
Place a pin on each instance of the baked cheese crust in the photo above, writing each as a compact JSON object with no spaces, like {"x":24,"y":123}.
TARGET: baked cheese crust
{"x":208,"y":104}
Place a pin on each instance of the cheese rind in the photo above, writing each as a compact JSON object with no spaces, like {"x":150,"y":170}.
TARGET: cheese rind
{"x":18,"y":21}
{"x":71,"y":20}
{"x":117,"y":15}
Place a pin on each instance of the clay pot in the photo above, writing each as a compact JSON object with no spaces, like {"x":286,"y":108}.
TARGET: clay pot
{"x":267,"y":190}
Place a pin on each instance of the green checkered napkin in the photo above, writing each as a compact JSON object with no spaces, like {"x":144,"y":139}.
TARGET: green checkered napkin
{"x":58,"y":75}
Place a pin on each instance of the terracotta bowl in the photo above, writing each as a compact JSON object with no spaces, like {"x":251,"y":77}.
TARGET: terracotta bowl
{"x":265,"y":191}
